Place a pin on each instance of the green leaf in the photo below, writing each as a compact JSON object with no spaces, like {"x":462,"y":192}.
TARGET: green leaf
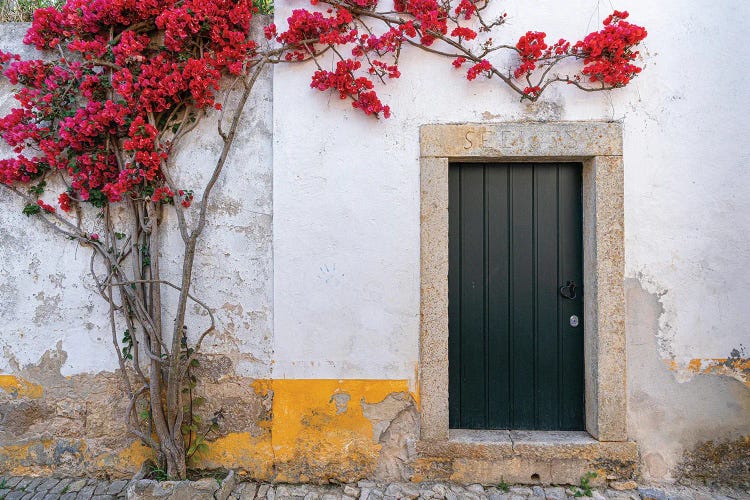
{"x":38,"y":190}
{"x":97,"y":198}
{"x":31,"y":209}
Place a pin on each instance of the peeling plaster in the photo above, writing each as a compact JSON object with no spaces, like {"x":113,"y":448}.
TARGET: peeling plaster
{"x":48,"y":308}
{"x":664,"y":333}
{"x":396,"y":427}
{"x":736,"y":364}
{"x":669,"y":414}
{"x":51,"y":423}
{"x":341,"y":400}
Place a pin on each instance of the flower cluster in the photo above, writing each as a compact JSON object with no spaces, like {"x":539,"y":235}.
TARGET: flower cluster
{"x":608,"y":54}
{"x":465,"y":33}
{"x":466,"y":8}
{"x":46,"y":207}
{"x":387,"y":43}
{"x":531,"y":48}
{"x":482,"y":66}
{"x":430,"y":15}
{"x":307,"y":28}
{"x":186,"y":196}
{"x":64,"y":201}
{"x":358,"y":89}
{"x":101,"y":115}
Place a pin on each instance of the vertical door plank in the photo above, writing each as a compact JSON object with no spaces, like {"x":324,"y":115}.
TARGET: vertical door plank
{"x":473,"y":387}
{"x":545,"y":296}
{"x":498,"y":287}
{"x":571,"y":268}
{"x":454,"y":297}
{"x":522,"y":292}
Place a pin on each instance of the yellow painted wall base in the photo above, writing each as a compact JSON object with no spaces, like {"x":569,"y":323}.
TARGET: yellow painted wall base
{"x":318,"y":431}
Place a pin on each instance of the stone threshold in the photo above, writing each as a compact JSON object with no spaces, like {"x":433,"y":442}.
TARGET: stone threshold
{"x":526,"y":457}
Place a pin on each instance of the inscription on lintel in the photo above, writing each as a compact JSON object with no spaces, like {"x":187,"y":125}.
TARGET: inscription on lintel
{"x":506,"y":139}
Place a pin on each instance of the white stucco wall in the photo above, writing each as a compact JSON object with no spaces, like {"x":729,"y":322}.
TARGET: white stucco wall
{"x":346,"y":188}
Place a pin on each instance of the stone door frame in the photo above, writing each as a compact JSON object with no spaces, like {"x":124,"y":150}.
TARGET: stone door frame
{"x":598,"y":146}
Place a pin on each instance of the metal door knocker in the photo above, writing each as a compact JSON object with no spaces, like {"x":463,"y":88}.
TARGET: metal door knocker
{"x":569,"y":290}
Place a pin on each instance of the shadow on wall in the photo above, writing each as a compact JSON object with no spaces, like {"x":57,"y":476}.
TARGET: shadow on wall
{"x":673,"y":421}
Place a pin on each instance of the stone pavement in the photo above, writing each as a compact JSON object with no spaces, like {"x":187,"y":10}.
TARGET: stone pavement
{"x":45,"y":488}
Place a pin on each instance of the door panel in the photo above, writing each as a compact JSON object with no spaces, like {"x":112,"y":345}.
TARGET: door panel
{"x":514,"y":239}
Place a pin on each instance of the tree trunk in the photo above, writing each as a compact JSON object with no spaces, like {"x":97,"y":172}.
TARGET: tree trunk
{"x":175,"y":456}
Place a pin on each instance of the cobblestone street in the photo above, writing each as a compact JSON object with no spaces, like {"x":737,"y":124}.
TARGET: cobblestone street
{"x":27,"y":488}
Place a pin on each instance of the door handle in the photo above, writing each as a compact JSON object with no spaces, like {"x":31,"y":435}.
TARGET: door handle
{"x":569,"y":290}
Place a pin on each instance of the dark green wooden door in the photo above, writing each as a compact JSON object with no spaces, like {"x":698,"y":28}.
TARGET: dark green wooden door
{"x":516,"y":361}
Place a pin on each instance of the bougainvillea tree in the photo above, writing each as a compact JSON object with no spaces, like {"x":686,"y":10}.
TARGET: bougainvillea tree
{"x":124,"y":81}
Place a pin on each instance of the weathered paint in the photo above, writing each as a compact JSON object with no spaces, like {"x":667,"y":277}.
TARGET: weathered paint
{"x":47,"y":456}
{"x":736,"y":367}
{"x":13,"y":457}
{"x":312,"y":430}
{"x":240,"y":450}
{"x":317,"y":430}
{"x":668,"y":414}
{"x":20,"y":388}
{"x":130,"y":458}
